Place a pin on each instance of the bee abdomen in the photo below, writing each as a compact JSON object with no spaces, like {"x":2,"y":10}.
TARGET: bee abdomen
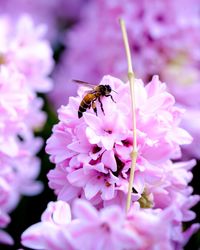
{"x":80,"y":114}
{"x":83,"y":107}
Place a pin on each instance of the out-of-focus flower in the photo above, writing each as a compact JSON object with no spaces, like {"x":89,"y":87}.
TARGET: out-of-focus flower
{"x":158,"y":39}
{"x":191,"y":122}
{"x":54,"y":13}
{"x":24,"y":70}
{"x":4,"y":237}
{"x":23,"y":46}
{"x":113,"y":235}
{"x":14,"y":103}
{"x":19,"y":166}
{"x":148,"y":223}
{"x":162,"y":42}
{"x":92,"y":154}
{"x":53,"y":231}
{"x":109,"y":228}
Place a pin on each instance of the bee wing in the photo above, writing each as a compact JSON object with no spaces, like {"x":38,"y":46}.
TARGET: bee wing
{"x":92,"y":86}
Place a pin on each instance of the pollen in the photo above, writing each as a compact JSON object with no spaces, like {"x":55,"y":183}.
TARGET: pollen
{"x":2,"y":59}
{"x":107,"y":184}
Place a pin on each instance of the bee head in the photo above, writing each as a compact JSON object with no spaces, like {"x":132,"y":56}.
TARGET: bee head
{"x":108,"y":89}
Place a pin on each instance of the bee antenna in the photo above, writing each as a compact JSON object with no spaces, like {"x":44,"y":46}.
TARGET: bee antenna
{"x":114,"y":91}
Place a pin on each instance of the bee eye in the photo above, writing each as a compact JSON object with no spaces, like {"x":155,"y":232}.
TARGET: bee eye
{"x":109,"y":88}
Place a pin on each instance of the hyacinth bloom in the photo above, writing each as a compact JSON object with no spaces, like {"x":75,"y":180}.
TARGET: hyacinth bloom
{"x":158,"y":39}
{"x":84,"y":227}
{"x":92,"y":154}
{"x":74,"y":233}
{"x":18,"y":146}
{"x":46,"y":234}
{"x":24,"y":71}
{"x":27,"y":50}
{"x":54,"y":13}
{"x":162,"y":42}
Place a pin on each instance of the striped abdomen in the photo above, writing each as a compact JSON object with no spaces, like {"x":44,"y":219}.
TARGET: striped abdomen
{"x":85,"y":104}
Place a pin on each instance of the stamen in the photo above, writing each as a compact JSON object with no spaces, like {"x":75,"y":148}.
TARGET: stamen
{"x":2,"y":59}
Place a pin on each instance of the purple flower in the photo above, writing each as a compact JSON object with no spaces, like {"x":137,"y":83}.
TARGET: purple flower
{"x":24,"y":46}
{"x":109,"y":228}
{"x":165,"y":43}
{"x":192,"y":114}
{"x":158,"y":39}
{"x":76,"y":233}
{"x":52,"y":13}
{"x":23,"y":71}
{"x":106,"y":227}
{"x":52,"y":232}
{"x":92,"y":154}
{"x":4,"y":237}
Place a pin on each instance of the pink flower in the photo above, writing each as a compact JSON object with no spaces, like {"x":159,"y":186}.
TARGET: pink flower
{"x":23,"y":71}
{"x":109,"y":228}
{"x":24,"y":46}
{"x":67,"y":234}
{"x":52,"y":232}
{"x":5,"y":238}
{"x":59,"y":183}
{"x":92,"y":154}
{"x":158,"y":39}
{"x":192,"y":114}
{"x":148,"y":223}
{"x":53,"y":13}
{"x":159,"y":42}
{"x":14,"y":104}
{"x":17,"y":143}
{"x":106,"y":228}
{"x":92,"y":157}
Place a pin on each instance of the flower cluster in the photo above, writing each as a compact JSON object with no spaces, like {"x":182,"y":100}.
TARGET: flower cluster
{"x":92,"y":154}
{"x":23,"y":72}
{"x":54,"y":13}
{"x":162,"y":42}
{"x":86,"y":228}
{"x":96,"y":149}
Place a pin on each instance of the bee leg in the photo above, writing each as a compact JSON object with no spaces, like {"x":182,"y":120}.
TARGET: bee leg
{"x":94,"y":107}
{"x":101,"y":105}
{"x":111,"y":98}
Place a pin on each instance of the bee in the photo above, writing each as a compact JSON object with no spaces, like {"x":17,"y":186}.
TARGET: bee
{"x":89,"y":100}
